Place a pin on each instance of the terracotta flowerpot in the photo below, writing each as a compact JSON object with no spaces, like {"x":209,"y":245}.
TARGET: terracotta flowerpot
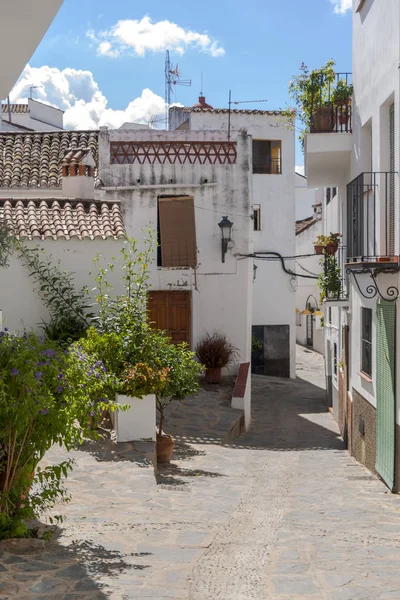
{"x":322,"y":120}
{"x":331,"y":249}
{"x":343,"y":118}
{"x":319,"y":249}
{"x":213,"y":375}
{"x":165,"y":448}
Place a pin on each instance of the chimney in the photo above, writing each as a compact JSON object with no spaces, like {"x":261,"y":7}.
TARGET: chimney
{"x":317,"y":211}
{"x":78,"y":168}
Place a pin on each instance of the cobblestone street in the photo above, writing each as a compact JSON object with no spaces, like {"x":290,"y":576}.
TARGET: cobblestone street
{"x":281,"y":513}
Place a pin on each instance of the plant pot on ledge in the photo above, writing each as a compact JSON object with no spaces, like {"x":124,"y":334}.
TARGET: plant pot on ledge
{"x":213,"y":375}
{"x":322,"y":120}
{"x":319,"y":250}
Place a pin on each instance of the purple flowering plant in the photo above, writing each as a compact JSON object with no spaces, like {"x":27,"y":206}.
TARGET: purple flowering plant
{"x":47,"y":396}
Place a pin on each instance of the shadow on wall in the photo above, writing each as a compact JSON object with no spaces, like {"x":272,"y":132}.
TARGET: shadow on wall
{"x":271,"y":350}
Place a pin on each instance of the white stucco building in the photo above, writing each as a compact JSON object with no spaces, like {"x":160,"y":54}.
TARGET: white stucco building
{"x":363,"y":160}
{"x":32,"y":116}
{"x":272,"y":184}
{"x":23,"y":24}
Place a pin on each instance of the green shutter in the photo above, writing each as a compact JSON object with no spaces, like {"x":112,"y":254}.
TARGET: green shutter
{"x":385,"y":391}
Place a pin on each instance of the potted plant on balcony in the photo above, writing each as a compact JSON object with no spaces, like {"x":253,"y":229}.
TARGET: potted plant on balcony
{"x":341,"y":98}
{"x":329,"y":280}
{"x":215,"y":352}
{"x":311,"y":92}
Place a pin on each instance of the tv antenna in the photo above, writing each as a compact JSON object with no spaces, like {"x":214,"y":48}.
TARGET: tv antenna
{"x":172,"y":77}
{"x":32,"y":89}
{"x":230,"y":102}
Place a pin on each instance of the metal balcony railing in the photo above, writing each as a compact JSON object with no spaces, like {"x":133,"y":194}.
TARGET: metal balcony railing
{"x":371,"y":217}
{"x":331,"y":110}
{"x":271,"y":166}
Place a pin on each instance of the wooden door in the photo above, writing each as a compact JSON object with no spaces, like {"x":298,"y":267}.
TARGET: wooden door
{"x":171,"y":311}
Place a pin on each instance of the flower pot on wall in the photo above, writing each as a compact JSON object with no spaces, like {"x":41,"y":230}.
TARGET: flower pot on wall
{"x":165,"y":448}
{"x":319,"y":249}
{"x":322,"y":120}
{"x":213,"y":375}
{"x":332,"y":294}
{"x":331,"y":249}
{"x":138,"y":423}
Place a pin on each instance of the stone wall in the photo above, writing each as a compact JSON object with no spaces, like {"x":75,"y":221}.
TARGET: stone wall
{"x":363,"y":446}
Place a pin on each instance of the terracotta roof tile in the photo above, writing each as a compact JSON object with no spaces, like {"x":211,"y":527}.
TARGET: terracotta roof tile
{"x":35,"y":159}
{"x":63,"y":219}
{"x":241,"y":111}
{"x":305,"y":224}
{"x":15,"y":108}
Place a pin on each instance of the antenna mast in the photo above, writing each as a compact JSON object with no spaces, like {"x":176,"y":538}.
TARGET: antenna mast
{"x":230,"y":102}
{"x":172,"y":77}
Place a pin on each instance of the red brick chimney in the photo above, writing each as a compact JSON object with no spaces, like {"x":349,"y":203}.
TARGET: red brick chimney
{"x":78,"y":170}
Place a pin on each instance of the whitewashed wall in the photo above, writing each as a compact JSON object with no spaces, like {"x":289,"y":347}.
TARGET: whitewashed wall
{"x":19,"y":302}
{"x":221,"y":292}
{"x":274,"y":297}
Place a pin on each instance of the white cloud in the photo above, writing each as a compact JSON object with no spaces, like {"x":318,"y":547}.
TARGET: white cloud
{"x":299,"y":169}
{"x":145,"y":36}
{"x":77,"y":93}
{"x":341,"y":6}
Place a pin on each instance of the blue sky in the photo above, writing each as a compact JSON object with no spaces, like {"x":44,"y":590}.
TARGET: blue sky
{"x":99,"y":56}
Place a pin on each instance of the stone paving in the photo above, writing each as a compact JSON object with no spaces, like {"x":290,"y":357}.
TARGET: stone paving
{"x":281,"y":513}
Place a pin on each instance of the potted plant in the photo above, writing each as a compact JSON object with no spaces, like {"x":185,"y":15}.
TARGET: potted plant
{"x":215,"y":352}
{"x":332,"y":243}
{"x":341,"y":98}
{"x":329,"y":280}
{"x":311,"y":92}
{"x":320,"y":244}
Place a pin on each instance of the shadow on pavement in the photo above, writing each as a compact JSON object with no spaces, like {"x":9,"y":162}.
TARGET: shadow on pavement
{"x":287,"y":414}
{"x":36,"y":569}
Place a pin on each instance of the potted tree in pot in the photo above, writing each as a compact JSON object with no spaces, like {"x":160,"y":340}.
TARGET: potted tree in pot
{"x":311,"y":93}
{"x":215,"y":352}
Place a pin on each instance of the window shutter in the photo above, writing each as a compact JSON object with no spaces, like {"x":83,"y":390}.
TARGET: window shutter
{"x":177,"y":232}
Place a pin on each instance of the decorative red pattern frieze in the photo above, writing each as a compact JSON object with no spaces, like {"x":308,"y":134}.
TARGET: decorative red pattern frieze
{"x":127,"y":153}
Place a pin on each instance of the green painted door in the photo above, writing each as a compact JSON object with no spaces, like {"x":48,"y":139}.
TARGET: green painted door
{"x":385,"y":391}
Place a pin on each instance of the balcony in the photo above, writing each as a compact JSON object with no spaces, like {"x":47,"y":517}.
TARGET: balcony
{"x":329,"y":143}
{"x":271,"y":166}
{"x":371,"y":221}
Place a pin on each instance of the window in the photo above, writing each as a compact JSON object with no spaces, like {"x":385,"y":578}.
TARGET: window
{"x":360,"y":5}
{"x":366,"y":341}
{"x":329,"y":315}
{"x":267,"y":157}
{"x":334,"y":192}
{"x":335,"y":358}
{"x":176,"y":232}
{"x":328,"y":195}
{"x":257,"y":217}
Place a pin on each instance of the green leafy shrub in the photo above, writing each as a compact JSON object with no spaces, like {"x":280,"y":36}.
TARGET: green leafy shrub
{"x":47,"y":396}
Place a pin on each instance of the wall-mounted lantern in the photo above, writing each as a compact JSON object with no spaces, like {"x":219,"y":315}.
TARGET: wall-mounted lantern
{"x":226,"y":231}
{"x":254,"y":271}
